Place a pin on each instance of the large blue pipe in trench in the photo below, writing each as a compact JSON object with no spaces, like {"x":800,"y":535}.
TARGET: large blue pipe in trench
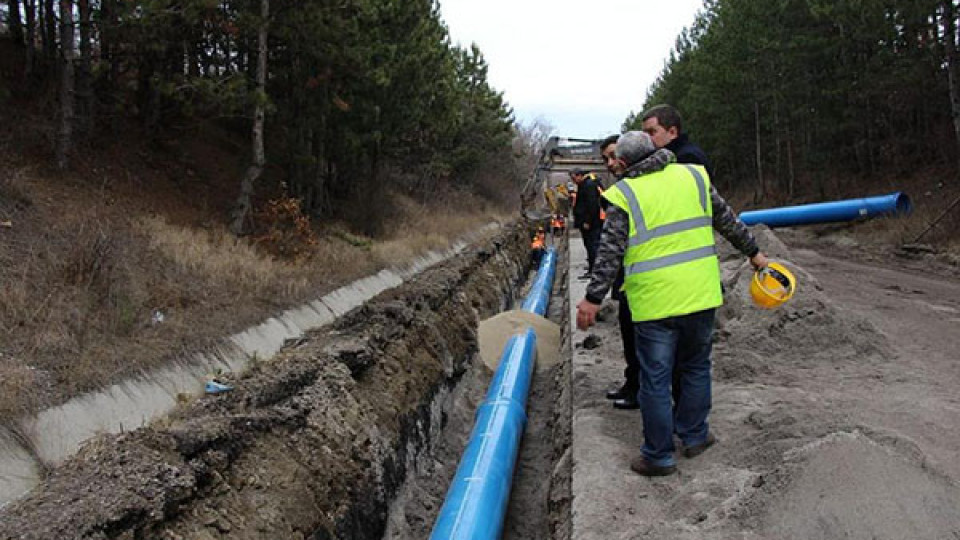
{"x":476,"y":503}
{"x":828,"y":212}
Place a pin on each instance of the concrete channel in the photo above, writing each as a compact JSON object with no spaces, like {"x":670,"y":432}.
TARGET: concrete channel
{"x":353,"y":432}
{"x":36,"y":443}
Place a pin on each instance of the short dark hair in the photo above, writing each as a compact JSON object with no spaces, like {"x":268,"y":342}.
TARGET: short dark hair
{"x":667,"y":116}
{"x":609,"y":140}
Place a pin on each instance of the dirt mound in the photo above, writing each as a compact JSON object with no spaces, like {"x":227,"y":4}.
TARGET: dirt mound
{"x":313,"y":444}
{"x":808,"y":332}
{"x":797,"y":461}
{"x":853,"y":484}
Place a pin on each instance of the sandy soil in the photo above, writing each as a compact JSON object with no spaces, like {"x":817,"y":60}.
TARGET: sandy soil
{"x":837,"y":415}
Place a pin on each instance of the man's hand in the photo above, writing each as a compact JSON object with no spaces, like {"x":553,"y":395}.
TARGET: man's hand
{"x":586,"y":314}
{"x":586,"y":226}
{"x":759,"y":260}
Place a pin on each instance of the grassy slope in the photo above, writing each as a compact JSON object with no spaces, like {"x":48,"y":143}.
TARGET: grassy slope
{"x":137,"y":227}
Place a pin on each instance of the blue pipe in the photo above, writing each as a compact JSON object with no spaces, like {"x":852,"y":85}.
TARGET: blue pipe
{"x":828,"y":212}
{"x":476,"y":503}
{"x":539,"y":295}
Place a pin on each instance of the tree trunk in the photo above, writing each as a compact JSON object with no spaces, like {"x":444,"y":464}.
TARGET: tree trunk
{"x":193,"y":57}
{"x":227,"y":62}
{"x":30,"y":12}
{"x":65,"y":134}
{"x":791,"y":178}
{"x":108,"y":38}
{"x":243,"y":209}
{"x":777,"y":164}
{"x":103,"y":29}
{"x":14,"y":22}
{"x":85,"y":102}
{"x":949,"y":23}
{"x":50,"y":35}
{"x":42,"y":27}
{"x":761,"y":186}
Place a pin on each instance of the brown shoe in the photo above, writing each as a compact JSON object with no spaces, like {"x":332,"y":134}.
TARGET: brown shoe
{"x":697,"y":449}
{"x":640,"y":466}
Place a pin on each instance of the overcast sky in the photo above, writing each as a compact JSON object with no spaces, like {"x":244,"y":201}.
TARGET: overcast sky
{"x":547,"y":55}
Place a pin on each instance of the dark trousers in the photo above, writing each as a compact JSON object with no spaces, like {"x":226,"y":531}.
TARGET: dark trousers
{"x":536,"y":255}
{"x":591,"y":241}
{"x":682,"y":344}
{"x":631,"y":374}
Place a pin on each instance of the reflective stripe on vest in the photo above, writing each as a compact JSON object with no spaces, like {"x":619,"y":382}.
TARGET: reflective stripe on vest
{"x":670,"y":260}
{"x":643,"y":234}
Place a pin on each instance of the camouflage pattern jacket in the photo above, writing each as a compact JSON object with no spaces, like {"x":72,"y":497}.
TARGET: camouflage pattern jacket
{"x":613,"y":242}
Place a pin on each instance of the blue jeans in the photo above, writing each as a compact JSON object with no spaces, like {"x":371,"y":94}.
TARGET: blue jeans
{"x":676,"y":343}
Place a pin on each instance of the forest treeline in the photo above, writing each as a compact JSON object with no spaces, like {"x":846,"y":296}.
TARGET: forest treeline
{"x":786,"y":95}
{"x":346,"y":97}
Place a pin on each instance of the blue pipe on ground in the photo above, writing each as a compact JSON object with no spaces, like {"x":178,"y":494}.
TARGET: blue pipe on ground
{"x":476,"y":503}
{"x":828,"y":212}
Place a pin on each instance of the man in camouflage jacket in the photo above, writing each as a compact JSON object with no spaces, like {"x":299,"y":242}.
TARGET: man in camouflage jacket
{"x":637,"y":156}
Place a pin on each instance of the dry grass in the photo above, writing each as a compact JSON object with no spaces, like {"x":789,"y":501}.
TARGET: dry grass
{"x":81,"y":278}
{"x":421,"y":228}
{"x":222,"y":260}
{"x":930,"y":199}
{"x":17,"y":390}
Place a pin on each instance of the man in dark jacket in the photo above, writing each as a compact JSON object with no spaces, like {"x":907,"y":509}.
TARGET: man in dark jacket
{"x":664,"y":125}
{"x":586,"y":214}
{"x":624,"y":397}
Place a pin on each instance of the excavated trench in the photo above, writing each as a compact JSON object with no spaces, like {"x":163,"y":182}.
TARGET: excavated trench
{"x":353,"y":433}
{"x":539,"y":501}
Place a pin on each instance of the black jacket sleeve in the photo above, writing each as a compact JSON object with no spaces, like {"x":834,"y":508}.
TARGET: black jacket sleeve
{"x":587,"y":210}
{"x":687,"y":152}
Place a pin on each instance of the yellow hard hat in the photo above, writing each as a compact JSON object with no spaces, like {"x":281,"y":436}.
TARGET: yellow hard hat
{"x":772,"y":286}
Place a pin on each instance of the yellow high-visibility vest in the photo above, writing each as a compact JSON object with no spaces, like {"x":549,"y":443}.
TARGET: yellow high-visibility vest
{"x":670,"y":264}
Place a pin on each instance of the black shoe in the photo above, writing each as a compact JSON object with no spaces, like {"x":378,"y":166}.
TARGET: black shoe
{"x":697,"y":449}
{"x":640,"y":466}
{"x":627,"y":403}
{"x":621,"y":393}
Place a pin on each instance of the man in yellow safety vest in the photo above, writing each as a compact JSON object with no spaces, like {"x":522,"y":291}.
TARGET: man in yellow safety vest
{"x":659,"y":226}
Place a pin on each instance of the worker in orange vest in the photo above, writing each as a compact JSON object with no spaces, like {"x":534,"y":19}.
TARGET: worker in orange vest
{"x":537,"y":246}
{"x":557,"y":224}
